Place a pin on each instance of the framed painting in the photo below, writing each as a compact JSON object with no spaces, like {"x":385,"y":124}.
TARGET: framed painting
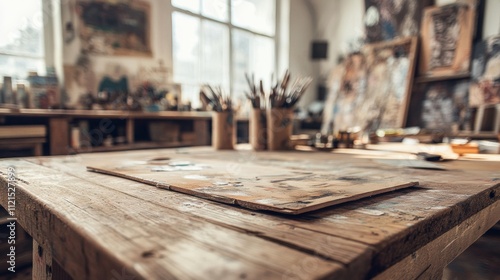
{"x":444,"y":106}
{"x":390,"y":19}
{"x":114,"y":28}
{"x":485,"y":84}
{"x":447,"y":33}
{"x":374,"y":88}
{"x":389,"y":78}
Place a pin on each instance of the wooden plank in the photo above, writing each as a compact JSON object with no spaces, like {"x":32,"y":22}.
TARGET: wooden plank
{"x":496,"y":125}
{"x":59,"y":136}
{"x":354,"y":255}
{"x":42,"y":262}
{"x":95,"y":232}
{"x":130,"y":130}
{"x":202,"y":132}
{"x":263,"y":187}
{"x":97,"y":114}
{"x":423,"y":263}
{"x":478,"y":124}
{"x":22,"y":131}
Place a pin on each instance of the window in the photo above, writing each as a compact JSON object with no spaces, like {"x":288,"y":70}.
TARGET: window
{"x":22,"y":45}
{"x":218,"y":41}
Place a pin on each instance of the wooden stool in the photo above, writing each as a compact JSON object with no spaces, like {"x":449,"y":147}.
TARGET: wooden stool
{"x":23,"y":137}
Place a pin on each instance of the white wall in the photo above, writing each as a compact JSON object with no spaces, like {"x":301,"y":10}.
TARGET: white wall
{"x":491,"y":25}
{"x":302,"y":33}
{"x":339,"y":22}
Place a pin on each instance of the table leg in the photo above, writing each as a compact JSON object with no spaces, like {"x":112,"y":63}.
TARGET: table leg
{"x":59,"y":136}
{"x":42,"y":262}
{"x":429,"y":261}
{"x":44,"y":266}
{"x":202,"y":133}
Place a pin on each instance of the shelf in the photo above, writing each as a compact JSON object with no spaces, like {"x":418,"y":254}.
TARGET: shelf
{"x":479,"y":135}
{"x":99,"y":114}
{"x":424,"y":79}
{"x":136,"y":146}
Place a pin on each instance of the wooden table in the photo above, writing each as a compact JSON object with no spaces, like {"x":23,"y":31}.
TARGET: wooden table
{"x":93,"y":226}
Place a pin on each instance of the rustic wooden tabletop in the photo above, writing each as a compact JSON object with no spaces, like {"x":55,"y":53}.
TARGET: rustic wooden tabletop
{"x":96,"y":226}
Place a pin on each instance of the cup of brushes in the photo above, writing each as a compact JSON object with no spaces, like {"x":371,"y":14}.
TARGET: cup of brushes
{"x":223,"y":119}
{"x":278,"y":105}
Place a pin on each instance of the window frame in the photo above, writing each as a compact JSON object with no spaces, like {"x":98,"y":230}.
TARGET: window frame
{"x":232,"y":27}
{"x":50,"y":12}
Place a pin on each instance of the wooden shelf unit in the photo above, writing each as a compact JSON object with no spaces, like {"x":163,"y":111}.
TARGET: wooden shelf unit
{"x":59,"y":124}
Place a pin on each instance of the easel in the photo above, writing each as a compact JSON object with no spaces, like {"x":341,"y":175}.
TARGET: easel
{"x":481,"y":122}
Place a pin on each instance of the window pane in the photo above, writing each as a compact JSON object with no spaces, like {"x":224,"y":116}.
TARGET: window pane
{"x":242,"y":53}
{"x":190,"y":5}
{"x":215,"y":54}
{"x":216,"y":9}
{"x":264,"y":58}
{"x":253,"y":55}
{"x":256,"y":15}
{"x":186,"y":48}
{"x":18,"y":67}
{"x":21,"y":27}
{"x":191,"y":93}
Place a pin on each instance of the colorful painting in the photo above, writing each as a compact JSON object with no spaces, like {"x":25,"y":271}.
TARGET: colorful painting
{"x":114,"y":28}
{"x":447,"y":33}
{"x":389,"y":19}
{"x":389,"y":75}
{"x":445,"y":105}
{"x":374,"y":89}
{"x":485,"y":85}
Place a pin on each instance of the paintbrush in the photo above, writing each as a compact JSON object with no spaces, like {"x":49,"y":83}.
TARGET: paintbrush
{"x":219,"y":102}
{"x":281,"y":97}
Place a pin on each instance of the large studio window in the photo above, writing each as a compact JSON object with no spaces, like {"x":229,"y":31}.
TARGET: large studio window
{"x":218,"y":41}
{"x":22,"y":45}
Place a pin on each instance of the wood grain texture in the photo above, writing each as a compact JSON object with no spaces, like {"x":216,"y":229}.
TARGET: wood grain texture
{"x":146,"y":241}
{"x":96,"y":223}
{"x":59,"y":136}
{"x":423,"y":264}
{"x":99,"y":114}
{"x":265,"y":185}
{"x":42,"y":262}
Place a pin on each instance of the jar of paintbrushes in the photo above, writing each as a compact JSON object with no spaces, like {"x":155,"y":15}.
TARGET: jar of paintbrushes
{"x":279,"y":105}
{"x":223,"y":118}
{"x":257,"y":119}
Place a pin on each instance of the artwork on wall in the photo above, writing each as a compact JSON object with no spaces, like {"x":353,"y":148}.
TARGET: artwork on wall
{"x":375,"y":87}
{"x":389,"y":19}
{"x":114,"y":28}
{"x":445,"y":106}
{"x":485,"y":85}
{"x":447,"y":33}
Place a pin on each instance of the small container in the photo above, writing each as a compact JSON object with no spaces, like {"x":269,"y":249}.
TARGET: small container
{"x":258,"y":131}
{"x":223,"y":130}
{"x":279,"y":128}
